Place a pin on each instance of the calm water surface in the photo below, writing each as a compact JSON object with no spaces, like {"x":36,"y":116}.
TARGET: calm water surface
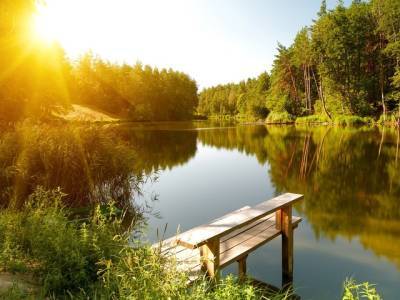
{"x":350,"y":179}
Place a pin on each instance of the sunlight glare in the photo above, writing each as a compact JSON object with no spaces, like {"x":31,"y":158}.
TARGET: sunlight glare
{"x":44,"y":27}
{"x":100,"y":25}
{"x":160,"y":33}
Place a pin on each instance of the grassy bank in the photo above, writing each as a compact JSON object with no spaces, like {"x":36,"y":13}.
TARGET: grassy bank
{"x":341,"y":120}
{"x":286,"y":118}
{"x":47,"y":254}
{"x":50,"y":254}
{"x":238,"y":118}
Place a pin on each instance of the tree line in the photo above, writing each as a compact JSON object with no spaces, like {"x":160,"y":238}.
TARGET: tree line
{"x":246,"y":98}
{"x":346,"y":63}
{"x":37,"y":78}
{"x":135,"y":92}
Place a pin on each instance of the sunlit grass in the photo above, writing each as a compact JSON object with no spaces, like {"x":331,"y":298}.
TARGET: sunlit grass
{"x":95,"y":258}
{"x":359,"y":291}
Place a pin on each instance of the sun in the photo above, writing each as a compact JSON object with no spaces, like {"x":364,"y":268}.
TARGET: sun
{"x":63,"y":21}
{"x":117,"y":30}
{"x":79,"y":25}
{"x":45,"y":29}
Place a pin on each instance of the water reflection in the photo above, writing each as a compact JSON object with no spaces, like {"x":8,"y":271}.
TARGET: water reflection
{"x":91,"y":163}
{"x":159,"y":149}
{"x":350,"y":177}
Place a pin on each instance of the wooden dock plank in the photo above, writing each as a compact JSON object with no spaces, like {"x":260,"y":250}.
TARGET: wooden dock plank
{"x":232,"y":237}
{"x":198,"y":236}
{"x":232,"y":249}
{"x":171,"y":242}
{"x":241,"y":245}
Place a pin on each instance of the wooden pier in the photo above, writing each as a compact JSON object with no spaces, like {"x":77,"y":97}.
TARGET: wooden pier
{"x":210,"y":247}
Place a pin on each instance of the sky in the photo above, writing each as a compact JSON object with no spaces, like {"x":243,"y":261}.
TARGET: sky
{"x":214,"y":41}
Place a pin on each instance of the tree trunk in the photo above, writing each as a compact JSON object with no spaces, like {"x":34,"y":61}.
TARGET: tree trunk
{"x":293,"y":83}
{"x":321,"y":94}
{"x":381,"y":78}
{"x":305,"y":87}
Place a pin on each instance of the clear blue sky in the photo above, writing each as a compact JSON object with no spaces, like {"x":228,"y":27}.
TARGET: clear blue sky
{"x":214,"y":41}
{"x":249,"y":32}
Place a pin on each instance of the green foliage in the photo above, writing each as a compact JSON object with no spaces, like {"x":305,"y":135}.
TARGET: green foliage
{"x":16,"y":292}
{"x":389,"y":119}
{"x":61,"y":252}
{"x":280,"y":117}
{"x":136,"y":92}
{"x":352,"y":120}
{"x":95,"y":258}
{"x":344,"y":63}
{"x":90,"y":163}
{"x":342,"y":120}
{"x":38,"y":80}
{"x":313,"y":119}
{"x":246,"y":99}
{"x":362,"y":291}
{"x":343,"y":39}
{"x":141,"y":274}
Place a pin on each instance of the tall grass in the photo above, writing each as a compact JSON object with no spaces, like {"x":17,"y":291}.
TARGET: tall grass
{"x":359,"y":291}
{"x":352,"y":120}
{"x":89,"y":163}
{"x":95,"y":258}
{"x":313,"y":119}
{"x":389,"y":119}
{"x":279,"y":118}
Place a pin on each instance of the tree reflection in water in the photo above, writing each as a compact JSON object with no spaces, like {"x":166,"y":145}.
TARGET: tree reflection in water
{"x":350,"y":177}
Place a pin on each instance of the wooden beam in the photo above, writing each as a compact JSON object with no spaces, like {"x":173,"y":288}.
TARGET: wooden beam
{"x":242,"y":265}
{"x":287,"y":245}
{"x":278,"y":219}
{"x":200,"y":235}
{"x":209,"y":254}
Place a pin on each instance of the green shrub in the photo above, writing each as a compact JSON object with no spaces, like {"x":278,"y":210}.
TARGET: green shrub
{"x":94,"y":258}
{"x":97,"y":258}
{"x":313,"y":119}
{"x":389,"y":119}
{"x":346,"y":120}
{"x":280,"y":118}
{"x":61,"y":252}
{"x":362,"y":291}
{"x":15,"y":292}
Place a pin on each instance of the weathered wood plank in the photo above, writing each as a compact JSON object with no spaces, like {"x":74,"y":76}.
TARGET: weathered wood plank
{"x":248,"y":246}
{"x":198,"y":236}
{"x":243,"y":237}
{"x":247,"y":227}
{"x":183,"y":254}
{"x":190,"y":257}
{"x":232,"y":237}
{"x":172,"y":242}
{"x":247,"y":242}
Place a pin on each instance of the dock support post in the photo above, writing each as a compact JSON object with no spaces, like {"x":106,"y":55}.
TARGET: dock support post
{"x":242,"y":265}
{"x":287,"y":245}
{"x":210,"y":258}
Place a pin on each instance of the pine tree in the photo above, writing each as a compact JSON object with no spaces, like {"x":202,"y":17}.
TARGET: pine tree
{"x":323,"y":9}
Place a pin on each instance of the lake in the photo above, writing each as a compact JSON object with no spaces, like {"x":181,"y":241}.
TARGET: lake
{"x":350,"y":178}
{"x":191,"y":173}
